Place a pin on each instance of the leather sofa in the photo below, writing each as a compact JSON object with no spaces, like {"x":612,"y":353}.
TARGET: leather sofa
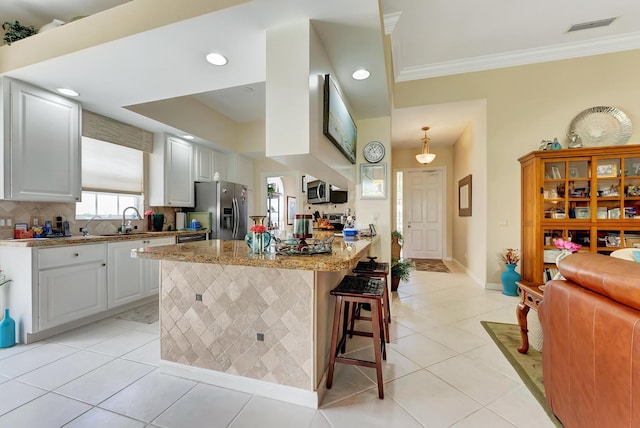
{"x":591,"y":346}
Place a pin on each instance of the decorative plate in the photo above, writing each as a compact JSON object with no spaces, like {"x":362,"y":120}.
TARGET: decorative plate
{"x":601,"y":126}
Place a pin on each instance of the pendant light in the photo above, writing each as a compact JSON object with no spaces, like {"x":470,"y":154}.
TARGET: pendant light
{"x":425,"y":157}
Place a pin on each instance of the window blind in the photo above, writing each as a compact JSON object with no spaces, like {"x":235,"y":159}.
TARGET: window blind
{"x":106,"y":129}
{"x":111,"y":168}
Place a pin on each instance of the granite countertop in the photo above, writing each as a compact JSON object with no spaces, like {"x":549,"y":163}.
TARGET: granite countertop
{"x":345,"y":255}
{"x":91,"y":239}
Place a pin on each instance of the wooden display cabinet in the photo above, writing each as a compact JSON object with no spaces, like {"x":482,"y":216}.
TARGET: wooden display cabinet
{"x":590,"y":196}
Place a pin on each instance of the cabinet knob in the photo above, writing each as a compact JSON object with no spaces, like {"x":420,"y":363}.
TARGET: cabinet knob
{"x":104,"y":264}
{"x":76,"y":254}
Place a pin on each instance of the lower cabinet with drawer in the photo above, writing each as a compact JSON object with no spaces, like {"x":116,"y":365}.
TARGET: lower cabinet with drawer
{"x":72,"y":283}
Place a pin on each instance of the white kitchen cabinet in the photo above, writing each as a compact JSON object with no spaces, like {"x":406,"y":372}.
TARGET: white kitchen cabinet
{"x":239,"y":169}
{"x":42,"y":135}
{"x":151,"y":268}
{"x":171,"y":172}
{"x":124,"y":276}
{"x":204,"y":163}
{"x":207,"y":162}
{"x":71,"y":283}
{"x":220,"y":164}
{"x":129,"y":278}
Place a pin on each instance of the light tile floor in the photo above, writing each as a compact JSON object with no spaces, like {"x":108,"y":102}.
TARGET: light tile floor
{"x":442,"y":370}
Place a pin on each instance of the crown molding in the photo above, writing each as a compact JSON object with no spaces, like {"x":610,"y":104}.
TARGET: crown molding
{"x":619,"y":43}
{"x":390,"y":21}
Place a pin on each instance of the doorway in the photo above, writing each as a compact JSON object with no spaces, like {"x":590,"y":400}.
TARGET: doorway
{"x":279,"y":189}
{"x":423,"y":214}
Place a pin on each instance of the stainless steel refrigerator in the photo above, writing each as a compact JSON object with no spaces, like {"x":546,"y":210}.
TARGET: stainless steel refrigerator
{"x":227,"y":203}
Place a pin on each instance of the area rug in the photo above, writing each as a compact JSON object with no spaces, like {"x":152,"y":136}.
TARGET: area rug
{"x":430,"y":265}
{"x":146,"y":313}
{"x":528,"y":366}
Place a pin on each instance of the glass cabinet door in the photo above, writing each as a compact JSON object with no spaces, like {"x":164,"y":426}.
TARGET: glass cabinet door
{"x":567,"y":189}
{"x":579,"y":189}
{"x":554,"y":189}
{"x":631,"y":177}
{"x":608,"y":191}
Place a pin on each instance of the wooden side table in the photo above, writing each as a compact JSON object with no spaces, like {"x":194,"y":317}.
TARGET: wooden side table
{"x":531,"y":297}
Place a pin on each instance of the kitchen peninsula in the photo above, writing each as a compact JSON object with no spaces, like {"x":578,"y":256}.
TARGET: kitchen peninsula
{"x":254,"y":323}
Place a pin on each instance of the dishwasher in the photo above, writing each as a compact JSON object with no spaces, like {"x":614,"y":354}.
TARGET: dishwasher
{"x":181,"y":239}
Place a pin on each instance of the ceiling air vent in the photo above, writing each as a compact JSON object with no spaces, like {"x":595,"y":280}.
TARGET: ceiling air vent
{"x":591,"y":24}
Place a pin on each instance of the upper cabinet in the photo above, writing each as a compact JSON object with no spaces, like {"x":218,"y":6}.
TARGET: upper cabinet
{"x":204,"y":167}
{"x":171,"y":172}
{"x":41,"y":145}
{"x":239,"y":169}
{"x":207,"y":162}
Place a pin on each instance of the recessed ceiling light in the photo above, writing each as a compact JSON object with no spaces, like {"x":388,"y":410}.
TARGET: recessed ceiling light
{"x":188,"y":137}
{"x":68,"y":92}
{"x":361,"y":74}
{"x":216,"y":59}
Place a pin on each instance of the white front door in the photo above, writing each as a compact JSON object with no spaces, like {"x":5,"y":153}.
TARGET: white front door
{"x":424,"y":214}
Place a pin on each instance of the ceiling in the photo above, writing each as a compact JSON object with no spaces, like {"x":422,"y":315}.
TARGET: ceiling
{"x":429,"y":38}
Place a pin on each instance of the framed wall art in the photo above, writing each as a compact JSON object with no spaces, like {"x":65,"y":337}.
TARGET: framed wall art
{"x":337,"y":124}
{"x":464,"y":197}
{"x":291,"y":209}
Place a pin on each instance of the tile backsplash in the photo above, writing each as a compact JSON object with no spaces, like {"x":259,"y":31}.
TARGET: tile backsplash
{"x":24,"y":212}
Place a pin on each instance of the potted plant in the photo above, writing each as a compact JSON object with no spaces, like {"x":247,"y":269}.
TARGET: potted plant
{"x":396,"y":243}
{"x":15,"y":31}
{"x":400,"y":270}
{"x":509,"y":277}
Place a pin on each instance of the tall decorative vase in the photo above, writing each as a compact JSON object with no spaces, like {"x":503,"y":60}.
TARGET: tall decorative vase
{"x":7,"y":331}
{"x":509,"y":278}
{"x":258,"y":242}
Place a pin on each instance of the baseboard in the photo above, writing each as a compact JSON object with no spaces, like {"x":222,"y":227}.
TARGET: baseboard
{"x":470,"y":274}
{"x":493,"y":286}
{"x":284,"y":393}
{"x":43,"y":334}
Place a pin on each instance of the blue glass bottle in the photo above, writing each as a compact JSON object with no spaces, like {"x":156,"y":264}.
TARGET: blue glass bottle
{"x":7,"y":331}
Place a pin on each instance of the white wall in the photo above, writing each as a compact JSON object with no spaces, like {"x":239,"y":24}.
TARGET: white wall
{"x":376,"y":211}
{"x":296,"y":62}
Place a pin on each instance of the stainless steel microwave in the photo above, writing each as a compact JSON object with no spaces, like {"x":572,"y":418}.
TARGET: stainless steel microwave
{"x":319,"y":192}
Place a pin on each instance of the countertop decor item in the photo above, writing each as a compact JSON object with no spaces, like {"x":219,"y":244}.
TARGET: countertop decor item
{"x":258,"y":238}
{"x":601,"y":126}
{"x":51,"y":25}
{"x":15,"y":31}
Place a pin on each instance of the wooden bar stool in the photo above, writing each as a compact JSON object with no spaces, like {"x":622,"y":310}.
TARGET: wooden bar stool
{"x":357,"y":290}
{"x":372,"y":269}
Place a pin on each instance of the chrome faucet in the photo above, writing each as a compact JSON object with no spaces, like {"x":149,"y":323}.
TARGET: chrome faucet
{"x":85,"y":229}
{"x":139,"y":217}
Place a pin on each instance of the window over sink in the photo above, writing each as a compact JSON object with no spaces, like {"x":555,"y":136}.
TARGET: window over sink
{"x":112,"y":179}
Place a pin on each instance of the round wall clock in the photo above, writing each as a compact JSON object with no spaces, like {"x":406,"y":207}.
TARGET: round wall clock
{"x":373,"y":151}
